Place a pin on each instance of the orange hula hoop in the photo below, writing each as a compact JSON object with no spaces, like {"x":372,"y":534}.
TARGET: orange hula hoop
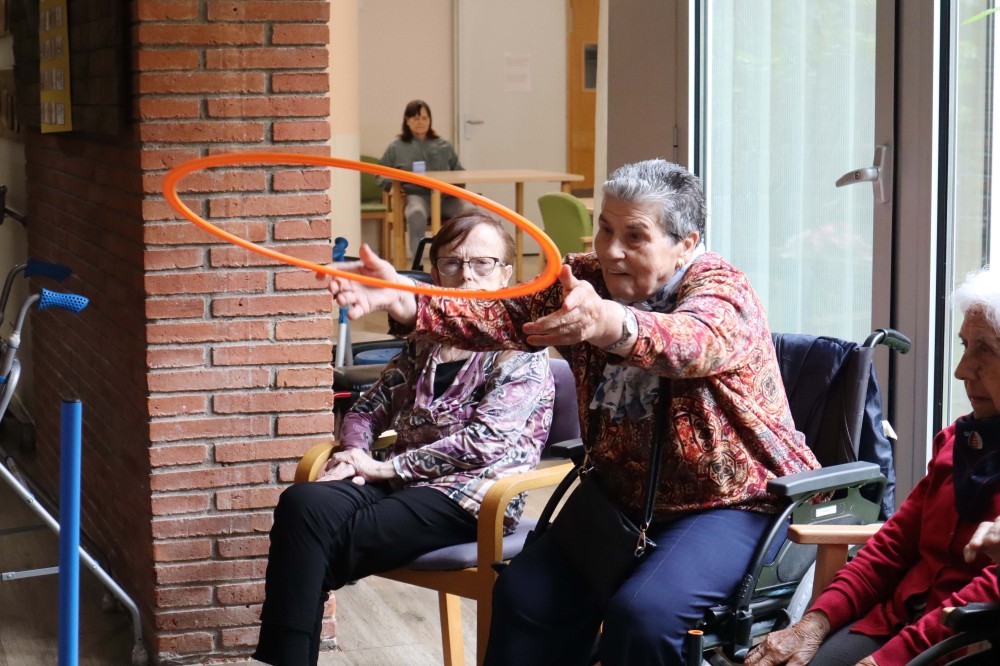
{"x":552,"y":259}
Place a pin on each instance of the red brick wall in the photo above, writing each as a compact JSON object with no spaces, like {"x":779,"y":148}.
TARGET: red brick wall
{"x":238,"y":346}
{"x":204,"y":369}
{"x":84,"y":210}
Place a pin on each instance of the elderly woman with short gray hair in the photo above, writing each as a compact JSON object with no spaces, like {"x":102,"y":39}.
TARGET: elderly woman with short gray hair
{"x":648,"y":303}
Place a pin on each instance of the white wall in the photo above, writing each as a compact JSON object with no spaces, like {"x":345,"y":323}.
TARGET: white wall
{"x":405,"y":52}
{"x":13,"y":237}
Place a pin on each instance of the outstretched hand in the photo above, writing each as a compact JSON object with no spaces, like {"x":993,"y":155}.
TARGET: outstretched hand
{"x":361,"y":299}
{"x":583,"y":317}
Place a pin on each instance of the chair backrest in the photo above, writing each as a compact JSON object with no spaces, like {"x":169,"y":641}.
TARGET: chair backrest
{"x":565,"y":414}
{"x":565,"y":220}
{"x":836,"y":402}
{"x":370,"y":191}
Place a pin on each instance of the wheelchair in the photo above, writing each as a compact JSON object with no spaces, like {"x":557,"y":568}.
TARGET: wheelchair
{"x":976,"y":643}
{"x":836,"y":403}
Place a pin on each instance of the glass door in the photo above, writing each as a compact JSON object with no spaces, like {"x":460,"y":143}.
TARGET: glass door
{"x":973,"y":192}
{"x":794,"y":95}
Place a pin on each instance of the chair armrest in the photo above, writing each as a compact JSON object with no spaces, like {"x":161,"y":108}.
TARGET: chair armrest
{"x":491,"y":513}
{"x":973,"y":623}
{"x":313,"y":460}
{"x":571,"y":449}
{"x":826,"y":479}
{"x":979,"y":616}
{"x":832,"y":543}
{"x":841,"y":535}
{"x":387,"y":438}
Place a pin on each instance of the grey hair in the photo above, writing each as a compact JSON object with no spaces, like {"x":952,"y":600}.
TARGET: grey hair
{"x":980,"y":292}
{"x":675,"y":190}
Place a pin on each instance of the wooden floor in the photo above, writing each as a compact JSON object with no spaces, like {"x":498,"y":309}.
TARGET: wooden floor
{"x":29,"y":607}
{"x":379,"y":622}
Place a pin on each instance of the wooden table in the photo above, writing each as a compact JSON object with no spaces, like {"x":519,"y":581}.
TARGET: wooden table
{"x":474,"y":177}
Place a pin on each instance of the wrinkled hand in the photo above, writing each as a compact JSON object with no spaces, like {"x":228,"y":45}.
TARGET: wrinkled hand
{"x":337,"y":471}
{"x":361,"y":299}
{"x":794,"y":646}
{"x":582,"y":317}
{"x":986,"y":540}
{"x":867,"y":661}
{"x":363,"y":466}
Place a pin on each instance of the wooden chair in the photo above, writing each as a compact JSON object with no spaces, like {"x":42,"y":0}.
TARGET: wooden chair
{"x":466,"y":570}
{"x":375,"y":206}
{"x":832,"y":544}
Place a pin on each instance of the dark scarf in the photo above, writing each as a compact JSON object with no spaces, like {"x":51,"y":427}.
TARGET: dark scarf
{"x":976,"y":470}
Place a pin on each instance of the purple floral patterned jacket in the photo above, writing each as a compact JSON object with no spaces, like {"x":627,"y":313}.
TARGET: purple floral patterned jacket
{"x":491,"y":422}
{"x":730,"y":428}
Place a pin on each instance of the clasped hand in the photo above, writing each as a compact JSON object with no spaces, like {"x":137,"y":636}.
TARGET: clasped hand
{"x":358,"y":466}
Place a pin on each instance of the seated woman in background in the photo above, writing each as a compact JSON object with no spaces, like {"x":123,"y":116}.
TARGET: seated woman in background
{"x":418,"y":148}
{"x":463,"y":420}
{"x":884,"y":607}
{"x":650,"y":302}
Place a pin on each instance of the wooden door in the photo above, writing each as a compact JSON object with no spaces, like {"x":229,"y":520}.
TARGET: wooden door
{"x":581,"y":88}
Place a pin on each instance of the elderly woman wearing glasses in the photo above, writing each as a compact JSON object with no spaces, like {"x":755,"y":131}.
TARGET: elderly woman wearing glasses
{"x":463,"y":420}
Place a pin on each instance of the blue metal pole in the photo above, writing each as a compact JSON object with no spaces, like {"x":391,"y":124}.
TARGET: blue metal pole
{"x":69,"y":533}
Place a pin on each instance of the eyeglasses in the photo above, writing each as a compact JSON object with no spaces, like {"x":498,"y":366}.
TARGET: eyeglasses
{"x":481,"y":266}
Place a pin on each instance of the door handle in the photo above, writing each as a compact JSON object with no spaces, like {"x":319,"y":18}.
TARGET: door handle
{"x":879,"y":175}
{"x":469,"y":121}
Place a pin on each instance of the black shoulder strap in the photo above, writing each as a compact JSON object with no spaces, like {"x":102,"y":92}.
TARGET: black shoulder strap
{"x":662,"y":409}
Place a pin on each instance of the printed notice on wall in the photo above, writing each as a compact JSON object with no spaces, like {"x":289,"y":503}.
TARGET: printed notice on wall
{"x":517,"y":72}
{"x":53,"y":47}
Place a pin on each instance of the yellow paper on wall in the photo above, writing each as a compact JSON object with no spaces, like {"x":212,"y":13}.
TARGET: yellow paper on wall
{"x":54,"y":72}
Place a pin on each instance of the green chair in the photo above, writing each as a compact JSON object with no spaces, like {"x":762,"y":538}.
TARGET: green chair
{"x":566,"y":221}
{"x":375,"y":206}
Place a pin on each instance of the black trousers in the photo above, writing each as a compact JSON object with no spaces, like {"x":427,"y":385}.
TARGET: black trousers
{"x":327,"y":534}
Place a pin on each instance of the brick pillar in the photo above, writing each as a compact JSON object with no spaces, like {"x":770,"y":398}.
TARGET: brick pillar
{"x":204,"y":370}
{"x":238,"y":346}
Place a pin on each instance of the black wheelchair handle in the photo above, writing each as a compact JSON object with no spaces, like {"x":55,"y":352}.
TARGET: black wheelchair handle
{"x":889,"y":337}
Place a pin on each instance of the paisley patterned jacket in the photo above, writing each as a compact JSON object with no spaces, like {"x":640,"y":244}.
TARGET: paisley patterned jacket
{"x":491,"y":422}
{"x":730,"y":429}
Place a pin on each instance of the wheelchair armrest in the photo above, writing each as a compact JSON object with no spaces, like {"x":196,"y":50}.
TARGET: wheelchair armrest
{"x":826,"y":479}
{"x":980,"y":616}
{"x":571,"y":449}
{"x":973,"y":623}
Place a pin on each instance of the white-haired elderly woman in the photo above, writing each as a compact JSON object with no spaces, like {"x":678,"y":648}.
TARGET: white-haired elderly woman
{"x":885,"y":606}
{"x":650,"y":302}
